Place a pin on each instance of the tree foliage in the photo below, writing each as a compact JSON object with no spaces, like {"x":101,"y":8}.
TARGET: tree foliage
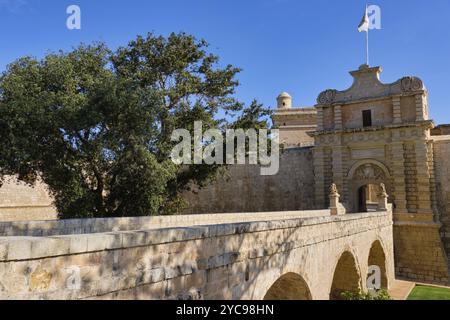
{"x":95,"y":124}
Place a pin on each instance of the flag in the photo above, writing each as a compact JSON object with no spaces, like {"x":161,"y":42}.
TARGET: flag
{"x":364,"y":25}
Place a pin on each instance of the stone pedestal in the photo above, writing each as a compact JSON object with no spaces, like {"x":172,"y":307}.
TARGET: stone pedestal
{"x":336,"y":207}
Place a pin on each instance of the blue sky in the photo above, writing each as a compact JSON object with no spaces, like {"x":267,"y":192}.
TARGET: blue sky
{"x":302,"y":47}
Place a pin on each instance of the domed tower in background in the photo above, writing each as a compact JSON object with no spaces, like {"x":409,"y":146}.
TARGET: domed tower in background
{"x":294,"y":123}
{"x":284,"y":101}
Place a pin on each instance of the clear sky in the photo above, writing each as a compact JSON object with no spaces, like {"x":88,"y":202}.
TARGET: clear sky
{"x":299,"y":46}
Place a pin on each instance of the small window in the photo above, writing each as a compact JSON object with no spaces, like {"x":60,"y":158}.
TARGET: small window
{"x":367,"y":118}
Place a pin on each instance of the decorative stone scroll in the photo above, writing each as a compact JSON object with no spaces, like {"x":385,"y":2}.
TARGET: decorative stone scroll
{"x":327,"y":97}
{"x":411,"y":84}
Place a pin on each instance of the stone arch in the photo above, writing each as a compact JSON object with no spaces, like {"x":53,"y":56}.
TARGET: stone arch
{"x":377,"y":257}
{"x":290,"y":286}
{"x":346,"y":276}
{"x":360,"y":163}
{"x":363,"y":175}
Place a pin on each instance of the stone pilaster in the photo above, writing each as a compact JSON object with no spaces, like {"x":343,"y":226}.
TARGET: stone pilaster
{"x":320,"y":125}
{"x":398,"y":173}
{"x":424,"y":204}
{"x":338,"y":167}
{"x":319,"y":176}
{"x":430,"y":146}
{"x":338,"y":117}
{"x":420,"y":102}
{"x":345,"y":169}
{"x":397,"y":109}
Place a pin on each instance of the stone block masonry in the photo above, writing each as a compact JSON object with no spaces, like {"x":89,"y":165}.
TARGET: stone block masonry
{"x":236,"y":260}
{"x":20,"y":202}
{"x":243,"y":189}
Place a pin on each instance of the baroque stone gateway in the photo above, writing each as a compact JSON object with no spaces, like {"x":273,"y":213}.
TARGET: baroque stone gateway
{"x":364,"y":181}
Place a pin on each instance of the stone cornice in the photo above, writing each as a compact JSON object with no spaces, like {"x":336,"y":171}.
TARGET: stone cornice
{"x":295,"y":112}
{"x":283,"y":116}
{"x":428,"y":124}
{"x":369,"y":99}
{"x":312,"y":127}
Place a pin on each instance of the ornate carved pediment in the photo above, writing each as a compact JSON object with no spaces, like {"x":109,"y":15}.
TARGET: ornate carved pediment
{"x":369,"y":172}
{"x":367,"y":85}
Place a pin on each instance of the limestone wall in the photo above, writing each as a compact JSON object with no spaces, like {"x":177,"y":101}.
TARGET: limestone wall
{"x":19,"y":202}
{"x":381,"y":114}
{"x":83,"y":226}
{"x":422,"y":244}
{"x":226,"y":261}
{"x":442,"y":174}
{"x":245,"y":190}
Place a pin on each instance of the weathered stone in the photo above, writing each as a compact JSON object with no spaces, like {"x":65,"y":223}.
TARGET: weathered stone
{"x":235,"y":265}
{"x":157,"y":275}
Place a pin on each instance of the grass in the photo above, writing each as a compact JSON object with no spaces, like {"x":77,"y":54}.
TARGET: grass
{"x":429,"y":293}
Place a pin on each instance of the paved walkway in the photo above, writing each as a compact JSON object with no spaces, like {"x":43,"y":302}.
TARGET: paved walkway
{"x":400,"y":289}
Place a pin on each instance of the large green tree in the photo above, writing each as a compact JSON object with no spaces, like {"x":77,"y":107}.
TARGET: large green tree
{"x":96,"y":125}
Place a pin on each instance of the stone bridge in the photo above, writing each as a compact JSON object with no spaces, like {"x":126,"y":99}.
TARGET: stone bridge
{"x":274,"y":255}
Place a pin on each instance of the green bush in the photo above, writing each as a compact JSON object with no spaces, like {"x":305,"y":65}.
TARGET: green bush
{"x":379,"y":295}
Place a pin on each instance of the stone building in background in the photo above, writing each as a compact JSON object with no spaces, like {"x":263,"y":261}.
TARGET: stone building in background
{"x":294,"y":123}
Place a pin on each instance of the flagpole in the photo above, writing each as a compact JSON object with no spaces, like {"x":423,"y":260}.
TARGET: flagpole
{"x":367,"y":47}
{"x":367,"y":40}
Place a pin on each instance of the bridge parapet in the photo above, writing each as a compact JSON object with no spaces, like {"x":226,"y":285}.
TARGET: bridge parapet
{"x":217,"y":261}
{"x":83,"y":226}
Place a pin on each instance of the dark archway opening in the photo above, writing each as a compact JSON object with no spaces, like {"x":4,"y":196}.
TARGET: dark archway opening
{"x":378,"y":258}
{"x":346,"y":277}
{"x":291,"y":286}
{"x":368,"y":198}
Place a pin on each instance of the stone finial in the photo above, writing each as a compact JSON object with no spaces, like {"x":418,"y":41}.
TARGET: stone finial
{"x":382,"y":198}
{"x":336,"y":207}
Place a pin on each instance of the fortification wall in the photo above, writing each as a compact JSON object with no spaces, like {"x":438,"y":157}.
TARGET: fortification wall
{"x":244,"y":189}
{"x":20,"y":202}
{"x":442,"y":174}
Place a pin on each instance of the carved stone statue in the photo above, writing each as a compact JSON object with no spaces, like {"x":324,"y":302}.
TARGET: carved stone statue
{"x":383,"y":189}
{"x":334,"y":190}
{"x":336,"y":208}
{"x":382,"y":198}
